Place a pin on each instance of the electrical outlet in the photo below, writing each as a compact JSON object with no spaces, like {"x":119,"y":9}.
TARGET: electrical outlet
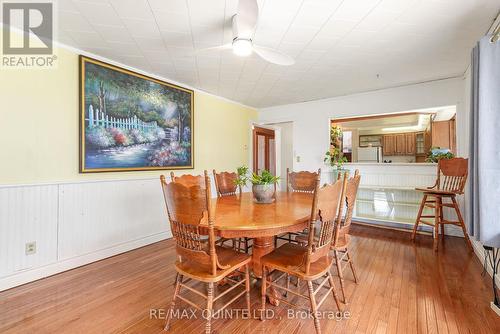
{"x":298,"y":158}
{"x":30,"y":248}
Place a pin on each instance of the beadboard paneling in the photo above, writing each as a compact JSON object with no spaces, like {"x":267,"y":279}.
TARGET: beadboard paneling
{"x":94,"y":216}
{"x":27,"y":214}
{"x":74,"y":224}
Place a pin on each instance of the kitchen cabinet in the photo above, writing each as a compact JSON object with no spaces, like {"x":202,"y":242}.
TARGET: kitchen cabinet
{"x":410,"y":143}
{"x":400,"y":144}
{"x":420,"y":143}
{"x":389,"y":145}
{"x":443,"y":135}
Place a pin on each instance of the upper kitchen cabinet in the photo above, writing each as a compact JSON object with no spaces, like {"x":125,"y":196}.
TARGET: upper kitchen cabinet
{"x":410,"y":143}
{"x":389,"y":145}
{"x":443,"y":134}
{"x":400,"y":144}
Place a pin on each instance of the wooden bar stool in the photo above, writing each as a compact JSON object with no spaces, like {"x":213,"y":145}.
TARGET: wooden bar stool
{"x":450,"y":182}
{"x":225,"y":183}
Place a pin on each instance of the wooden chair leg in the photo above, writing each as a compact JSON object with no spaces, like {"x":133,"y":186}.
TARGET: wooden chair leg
{"x":247,"y":286}
{"x":314,"y":307}
{"x":351,"y":264}
{"x":341,"y":275}
{"x":420,"y":210}
{"x":210,"y":304}
{"x":438,"y":208}
{"x":287,"y":277}
{"x":175,"y":279}
{"x":441,"y":219}
{"x":462,"y":223}
{"x":334,"y":292}
{"x":263,"y":292}
{"x":177,"y":289}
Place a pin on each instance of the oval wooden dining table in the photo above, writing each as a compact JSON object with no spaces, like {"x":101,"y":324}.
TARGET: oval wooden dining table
{"x":240,"y":216}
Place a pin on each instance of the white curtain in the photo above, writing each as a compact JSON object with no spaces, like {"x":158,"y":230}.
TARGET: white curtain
{"x":484,"y":204}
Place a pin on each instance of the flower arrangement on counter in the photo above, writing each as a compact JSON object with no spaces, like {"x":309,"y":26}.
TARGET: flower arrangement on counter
{"x":435,"y":154}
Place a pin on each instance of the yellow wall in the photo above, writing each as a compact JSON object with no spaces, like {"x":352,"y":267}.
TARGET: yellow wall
{"x":39,"y":128}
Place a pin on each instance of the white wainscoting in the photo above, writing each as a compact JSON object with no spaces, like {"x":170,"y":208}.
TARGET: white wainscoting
{"x":74,"y":224}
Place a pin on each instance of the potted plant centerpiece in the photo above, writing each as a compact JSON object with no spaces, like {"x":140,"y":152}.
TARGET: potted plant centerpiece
{"x":263,"y":186}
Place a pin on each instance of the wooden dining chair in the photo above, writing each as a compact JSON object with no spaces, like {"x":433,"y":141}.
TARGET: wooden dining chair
{"x":303,"y":182}
{"x":341,"y":238}
{"x":191,"y":216}
{"x":225,"y":183}
{"x":312,"y":262}
{"x":450,"y":182}
{"x":188,"y":179}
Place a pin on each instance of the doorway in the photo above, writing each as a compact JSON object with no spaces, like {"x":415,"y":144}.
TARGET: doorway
{"x":286,"y":145}
{"x":264,"y":150}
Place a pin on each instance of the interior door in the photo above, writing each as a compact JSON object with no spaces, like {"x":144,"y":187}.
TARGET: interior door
{"x":264,"y":150}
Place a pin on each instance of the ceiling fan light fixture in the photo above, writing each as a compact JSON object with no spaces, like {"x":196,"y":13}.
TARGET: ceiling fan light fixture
{"x":242,"y":47}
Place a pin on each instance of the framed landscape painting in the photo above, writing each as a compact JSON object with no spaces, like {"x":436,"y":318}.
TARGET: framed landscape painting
{"x":129,"y":121}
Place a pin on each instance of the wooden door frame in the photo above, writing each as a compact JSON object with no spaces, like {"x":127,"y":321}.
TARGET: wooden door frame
{"x":277,"y":143}
{"x":268,"y":133}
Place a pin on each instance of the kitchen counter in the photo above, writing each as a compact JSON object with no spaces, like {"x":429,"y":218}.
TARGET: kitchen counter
{"x":387,"y":194}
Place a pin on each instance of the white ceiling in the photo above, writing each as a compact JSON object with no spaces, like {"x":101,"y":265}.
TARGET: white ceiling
{"x":340,"y":46}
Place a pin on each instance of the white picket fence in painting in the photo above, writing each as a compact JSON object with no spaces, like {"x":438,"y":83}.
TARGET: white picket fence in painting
{"x":99,"y":118}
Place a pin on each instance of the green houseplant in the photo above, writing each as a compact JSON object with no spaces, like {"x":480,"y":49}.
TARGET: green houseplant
{"x":242,"y":179}
{"x":263,"y":186}
{"x":334,"y":158}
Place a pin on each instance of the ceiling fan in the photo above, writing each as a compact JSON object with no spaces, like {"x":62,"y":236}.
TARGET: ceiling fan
{"x":244,"y":23}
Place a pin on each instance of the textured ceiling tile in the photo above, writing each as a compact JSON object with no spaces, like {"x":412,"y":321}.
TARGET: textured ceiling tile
{"x":340,"y":46}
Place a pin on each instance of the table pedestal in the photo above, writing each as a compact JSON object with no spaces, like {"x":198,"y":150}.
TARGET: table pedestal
{"x":262,"y":246}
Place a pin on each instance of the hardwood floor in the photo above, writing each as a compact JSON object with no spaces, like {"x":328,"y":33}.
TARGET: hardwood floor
{"x":404,"y":288}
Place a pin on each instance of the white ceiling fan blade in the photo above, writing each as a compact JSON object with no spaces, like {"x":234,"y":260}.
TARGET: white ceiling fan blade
{"x":273,"y":56}
{"x":214,"y":48}
{"x":246,"y":18}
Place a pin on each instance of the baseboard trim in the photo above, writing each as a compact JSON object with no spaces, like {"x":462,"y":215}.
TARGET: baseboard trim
{"x":34,"y":274}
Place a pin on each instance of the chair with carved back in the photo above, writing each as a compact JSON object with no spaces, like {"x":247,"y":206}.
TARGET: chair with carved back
{"x":341,"y":238}
{"x":188,"y":179}
{"x":303,"y":182}
{"x":225,"y":183}
{"x":450,"y":182}
{"x":311,"y":263}
{"x":191,"y":217}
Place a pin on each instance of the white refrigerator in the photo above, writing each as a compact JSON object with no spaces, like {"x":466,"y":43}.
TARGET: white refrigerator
{"x":370,"y":154}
